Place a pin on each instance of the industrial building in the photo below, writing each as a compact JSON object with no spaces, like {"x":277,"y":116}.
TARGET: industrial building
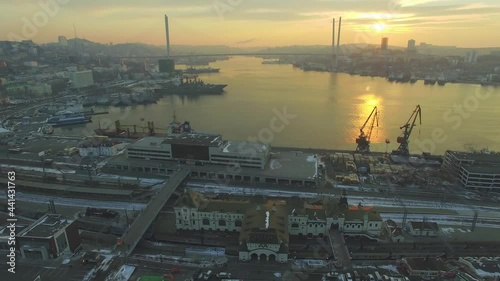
{"x":95,"y":148}
{"x":200,"y":149}
{"x":427,"y":268}
{"x":474,"y":170}
{"x":48,"y":238}
{"x":422,"y":228}
{"x":265,"y":224}
{"x":81,"y":79}
{"x":209,"y":157}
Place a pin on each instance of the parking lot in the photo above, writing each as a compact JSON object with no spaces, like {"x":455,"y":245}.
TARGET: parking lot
{"x":28,"y":272}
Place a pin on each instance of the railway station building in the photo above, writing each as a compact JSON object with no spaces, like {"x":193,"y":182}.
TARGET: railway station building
{"x":265,"y":224}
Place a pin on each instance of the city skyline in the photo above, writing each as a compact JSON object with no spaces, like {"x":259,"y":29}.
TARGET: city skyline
{"x":256,"y":23}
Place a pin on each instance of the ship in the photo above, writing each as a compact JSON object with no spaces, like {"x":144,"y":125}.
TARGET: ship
{"x":274,"y":61}
{"x":429,"y":80}
{"x":190,"y":86}
{"x":413,"y":79}
{"x":402,"y":78}
{"x":192,"y":70}
{"x":123,"y":131}
{"x":65,"y":120}
{"x":441,"y":80}
{"x":391,"y":77}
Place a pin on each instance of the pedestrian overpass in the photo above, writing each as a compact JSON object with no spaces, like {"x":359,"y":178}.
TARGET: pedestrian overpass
{"x":133,"y":235}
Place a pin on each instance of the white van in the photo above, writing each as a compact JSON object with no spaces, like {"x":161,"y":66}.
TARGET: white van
{"x":207,"y":275}
{"x":378,"y":277}
{"x":371,"y":278}
{"x":349,"y":277}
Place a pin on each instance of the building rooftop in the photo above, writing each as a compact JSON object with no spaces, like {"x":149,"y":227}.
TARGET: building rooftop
{"x":314,"y":209}
{"x":213,"y":140}
{"x":482,"y":169}
{"x":266,"y":223}
{"x":424,"y":225}
{"x":45,"y":226}
{"x":282,"y":165}
{"x":490,"y":158}
{"x":244,"y":148}
{"x":429,"y":264}
{"x":149,"y":142}
{"x":103,"y":143}
{"x":485,"y":266}
{"x":290,"y":165}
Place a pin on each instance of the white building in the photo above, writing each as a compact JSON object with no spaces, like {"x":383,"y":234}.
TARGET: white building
{"x":474,"y":170}
{"x":93,"y":148}
{"x":265,"y":225}
{"x":81,"y":79}
{"x":420,"y":228}
{"x":200,"y":148}
{"x":471,"y":56}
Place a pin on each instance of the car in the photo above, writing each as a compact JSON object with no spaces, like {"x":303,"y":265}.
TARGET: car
{"x":223,"y":275}
{"x":349,"y":277}
{"x":332,"y":274}
{"x":207,"y":275}
{"x":371,"y":278}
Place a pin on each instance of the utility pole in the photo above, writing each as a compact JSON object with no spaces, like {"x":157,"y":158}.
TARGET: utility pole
{"x":474,"y":221}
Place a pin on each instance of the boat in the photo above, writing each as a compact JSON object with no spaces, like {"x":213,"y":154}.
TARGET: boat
{"x":391,"y":77}
{"x":402,"y":78}
{"x":192,"y":70}
{"x":413,"y":79}
{"x":190,"y":86}
{"x":124,"y":131}
{"x":275,"y":61}
{"x":68,"y":120}
{"x":429,"y":80}
{"x":441,"y":80}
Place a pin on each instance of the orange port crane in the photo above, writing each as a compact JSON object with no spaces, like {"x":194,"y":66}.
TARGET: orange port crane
{"x":363,"y":140}
{"x":404,"y":139}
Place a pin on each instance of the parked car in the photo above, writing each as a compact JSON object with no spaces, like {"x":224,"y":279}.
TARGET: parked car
{"x":208,"y":274}
{"x":223,"y":275}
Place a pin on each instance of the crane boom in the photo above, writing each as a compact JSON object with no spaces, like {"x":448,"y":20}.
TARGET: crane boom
{"x":368,"y":119}
{"x":363,"y":140}
{"x":404,"y":140}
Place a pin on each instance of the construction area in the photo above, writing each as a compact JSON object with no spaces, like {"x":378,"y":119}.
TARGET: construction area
{"x":384,"y":171}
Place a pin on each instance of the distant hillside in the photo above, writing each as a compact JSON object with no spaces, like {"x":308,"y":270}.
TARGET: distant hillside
{"x":140,"y":49}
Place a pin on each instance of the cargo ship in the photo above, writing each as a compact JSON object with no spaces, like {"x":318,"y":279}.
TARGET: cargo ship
{"x":68,"y":120}
{"x":192,"y":70}
{"x":124,"y":131}
{"x":189,"y":86}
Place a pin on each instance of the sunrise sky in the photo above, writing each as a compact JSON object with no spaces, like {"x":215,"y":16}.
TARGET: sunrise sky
{"x":250,"y":23}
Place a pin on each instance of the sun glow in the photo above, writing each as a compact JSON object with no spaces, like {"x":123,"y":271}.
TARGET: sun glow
{"x":379,"y":27}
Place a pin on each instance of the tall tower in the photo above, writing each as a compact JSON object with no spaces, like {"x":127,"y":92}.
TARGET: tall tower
{"x":333,"y":39}
{"x":338,"y":43}
{"x":166,"y":65}
{"x":167,"y":36}
{"x":385,"y":43}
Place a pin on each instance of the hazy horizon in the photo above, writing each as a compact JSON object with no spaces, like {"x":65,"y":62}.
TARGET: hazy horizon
{"x":251,"y":24}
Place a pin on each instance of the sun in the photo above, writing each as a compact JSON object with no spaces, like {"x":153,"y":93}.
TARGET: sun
{"x":379,"y":27}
